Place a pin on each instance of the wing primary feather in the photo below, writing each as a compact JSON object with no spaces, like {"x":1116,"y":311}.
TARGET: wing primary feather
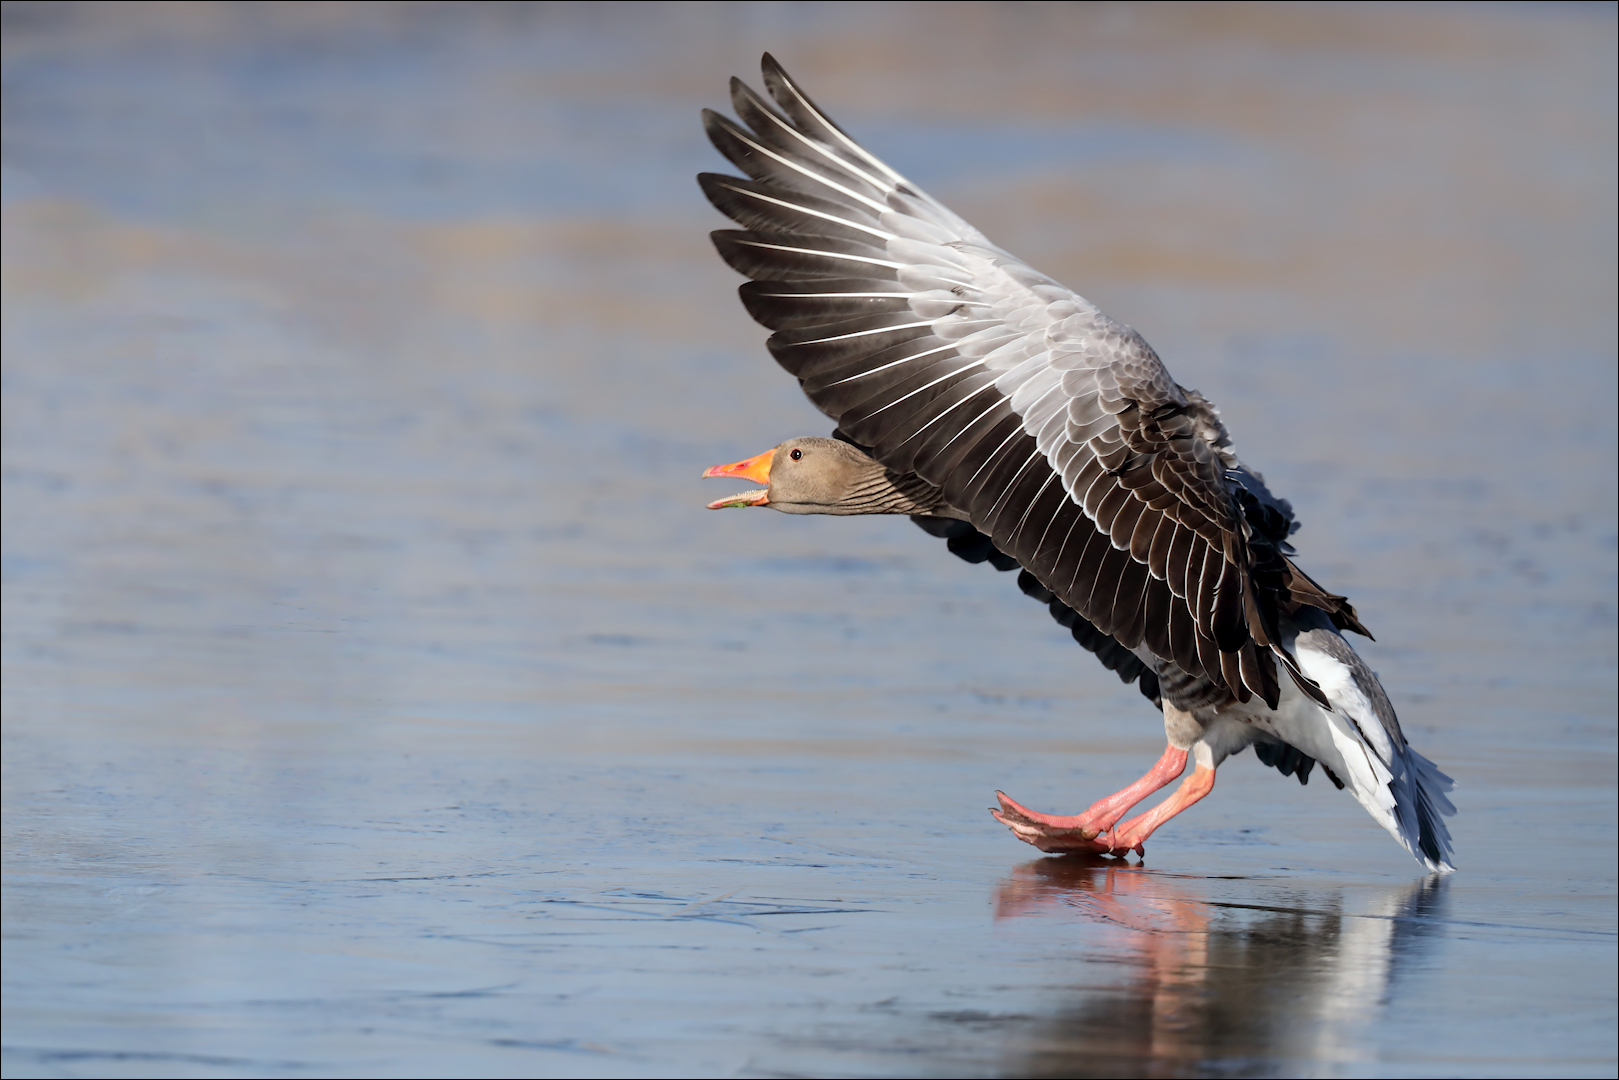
{"x":902,"y":455}
{"x":928,"y":386}
{"x":757,"y":259}
{"x":752,"y":203}
{"x":862,"y":371}
{"x":942,"y":459}
{"x":884,"y":325}
{"x":867,"y":405}
{"x":788,"y":245}
{"x":804,"y":112}
{"x":722,"y":133}
{"x":751,"y":110}
{"x":991,"y":461}
{"x":780,"y":309}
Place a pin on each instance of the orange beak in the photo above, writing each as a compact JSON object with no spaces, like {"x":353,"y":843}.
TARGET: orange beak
{"x":756,"y":468}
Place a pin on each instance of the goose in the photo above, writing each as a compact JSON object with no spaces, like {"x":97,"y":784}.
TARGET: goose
{"x":1007,"y":415}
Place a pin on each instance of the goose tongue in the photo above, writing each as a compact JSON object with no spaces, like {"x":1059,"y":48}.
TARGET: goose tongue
{"x":756,"y":468}
{"x":757,"y":497}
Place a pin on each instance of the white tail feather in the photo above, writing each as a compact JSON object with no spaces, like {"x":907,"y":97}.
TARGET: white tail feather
{"x":1402,"y":790}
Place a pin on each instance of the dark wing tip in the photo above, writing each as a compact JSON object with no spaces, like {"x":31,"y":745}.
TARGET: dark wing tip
{"x":717,"y":126}
{"x":742,"y":97}
{"x":1346,"y":619}
{"x":713,"y":183}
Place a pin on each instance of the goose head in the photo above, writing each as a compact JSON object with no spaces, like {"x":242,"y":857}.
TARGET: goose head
{"x":811,"y":475}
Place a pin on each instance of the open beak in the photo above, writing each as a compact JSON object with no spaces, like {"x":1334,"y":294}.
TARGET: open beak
{"x":757,"y":469}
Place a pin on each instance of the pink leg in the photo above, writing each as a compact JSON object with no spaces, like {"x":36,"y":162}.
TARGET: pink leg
{"x":1049,"y":832}
{"x":1133,"y":833}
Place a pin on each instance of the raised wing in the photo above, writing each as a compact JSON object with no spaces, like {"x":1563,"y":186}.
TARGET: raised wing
{"x":1055,"y":429}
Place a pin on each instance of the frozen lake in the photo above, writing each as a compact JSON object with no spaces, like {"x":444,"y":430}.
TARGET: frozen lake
{"x":380,"y":700}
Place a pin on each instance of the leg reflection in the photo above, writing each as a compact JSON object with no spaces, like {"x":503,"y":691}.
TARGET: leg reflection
{"x":1218,"y":975}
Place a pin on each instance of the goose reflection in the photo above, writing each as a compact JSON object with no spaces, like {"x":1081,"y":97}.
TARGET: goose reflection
{"x":1217,"y":987}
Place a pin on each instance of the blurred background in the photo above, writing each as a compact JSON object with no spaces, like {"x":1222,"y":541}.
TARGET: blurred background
{"x":379,"y":698}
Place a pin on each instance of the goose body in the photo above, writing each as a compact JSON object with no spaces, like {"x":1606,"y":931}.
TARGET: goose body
{"x":1006,"y":414}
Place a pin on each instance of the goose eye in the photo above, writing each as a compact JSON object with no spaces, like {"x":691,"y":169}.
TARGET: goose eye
{"x":796,"y":453}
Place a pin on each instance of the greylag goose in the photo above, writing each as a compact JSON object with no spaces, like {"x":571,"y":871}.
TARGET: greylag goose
{"x":1006,"y":414}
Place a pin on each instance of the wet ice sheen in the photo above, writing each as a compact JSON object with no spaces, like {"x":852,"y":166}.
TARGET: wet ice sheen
{"x":379,"y":699}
